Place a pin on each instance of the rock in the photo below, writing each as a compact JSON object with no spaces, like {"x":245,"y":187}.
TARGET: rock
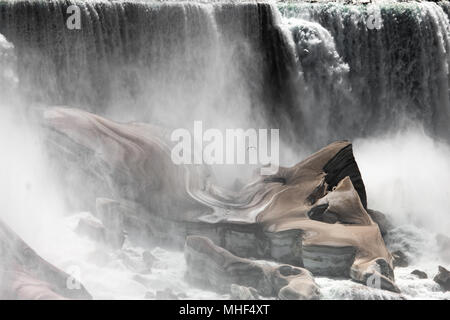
{"x":294,"y":283}
{"x":315,"y":210}
{"x":214,"y":267}
{"x":381,"y":219}
{"x":243,"y":293}
{"x":166,"y":294}
{"x":329,"y":261}
{"x":25,"y":275}
{"x":420,"y":274}
{"x":443,"y":278}
{"x":376,"y":274}
{"x":400,"y":259}
{"x":149,"y":295}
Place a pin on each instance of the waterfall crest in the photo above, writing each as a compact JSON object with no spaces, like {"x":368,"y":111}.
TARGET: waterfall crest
{"x":335,"y":71}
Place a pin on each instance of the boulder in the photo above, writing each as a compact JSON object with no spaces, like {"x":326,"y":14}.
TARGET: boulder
{"x":443,"y":278}
{"x":376,"y":274}
{"x":420,"y":274}
{"x":400,"y":259}
{"x":25,"y":275}
{"x":313,"y":211}
{"x":382,"y":220}
{"x":215,"y":268}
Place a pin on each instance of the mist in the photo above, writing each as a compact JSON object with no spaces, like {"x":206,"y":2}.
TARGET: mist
{"x":406,"y":174}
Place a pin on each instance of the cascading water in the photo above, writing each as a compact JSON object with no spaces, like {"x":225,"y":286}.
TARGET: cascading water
{"x":140,"y":60}
{"x":397,"y":54}
{"x":320,"y":71}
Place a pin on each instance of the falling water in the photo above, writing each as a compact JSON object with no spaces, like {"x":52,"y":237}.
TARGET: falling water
{"x":376,"y":74}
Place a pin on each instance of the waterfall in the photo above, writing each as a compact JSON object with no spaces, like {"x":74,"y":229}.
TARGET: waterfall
{"x":158,"y":61}
{"x":326,"y":70}
{"x":397,"y":55}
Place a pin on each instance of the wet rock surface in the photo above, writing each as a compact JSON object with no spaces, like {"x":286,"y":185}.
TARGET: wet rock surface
{"x":382,"y":220}
{"x":215,"y":268}
{"x":400,"y":259}
{"x":420,"y":274}
{"x":25,"y":275}
{"x":443,"y":278}
{"x":313,"y":214}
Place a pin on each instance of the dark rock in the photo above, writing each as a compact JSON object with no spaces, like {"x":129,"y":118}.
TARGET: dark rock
{"x":293,"y":283}
{"x":400,"y":259}
{"x":443,"y":278}
{"x":420,"y":274}
{"x":378,"y":274}
{"x":382,"y":220}
{"x":149,"y":295}
{"x":328,"y":260}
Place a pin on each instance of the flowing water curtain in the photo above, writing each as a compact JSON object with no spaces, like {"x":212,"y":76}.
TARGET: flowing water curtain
{"x":397,"y":55}
{"x":149,"y":59}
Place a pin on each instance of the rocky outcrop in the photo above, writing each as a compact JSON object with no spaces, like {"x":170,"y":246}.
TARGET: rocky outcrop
{"x":400,"y":259}
{"x":382,"y":220}
{"x":420,"y":274}
{"x":443,"y":278}
{"x":376,"y":274}
{"x":25,"y":275}
{"x":311,"y":215}
{"x":216,"y":268}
